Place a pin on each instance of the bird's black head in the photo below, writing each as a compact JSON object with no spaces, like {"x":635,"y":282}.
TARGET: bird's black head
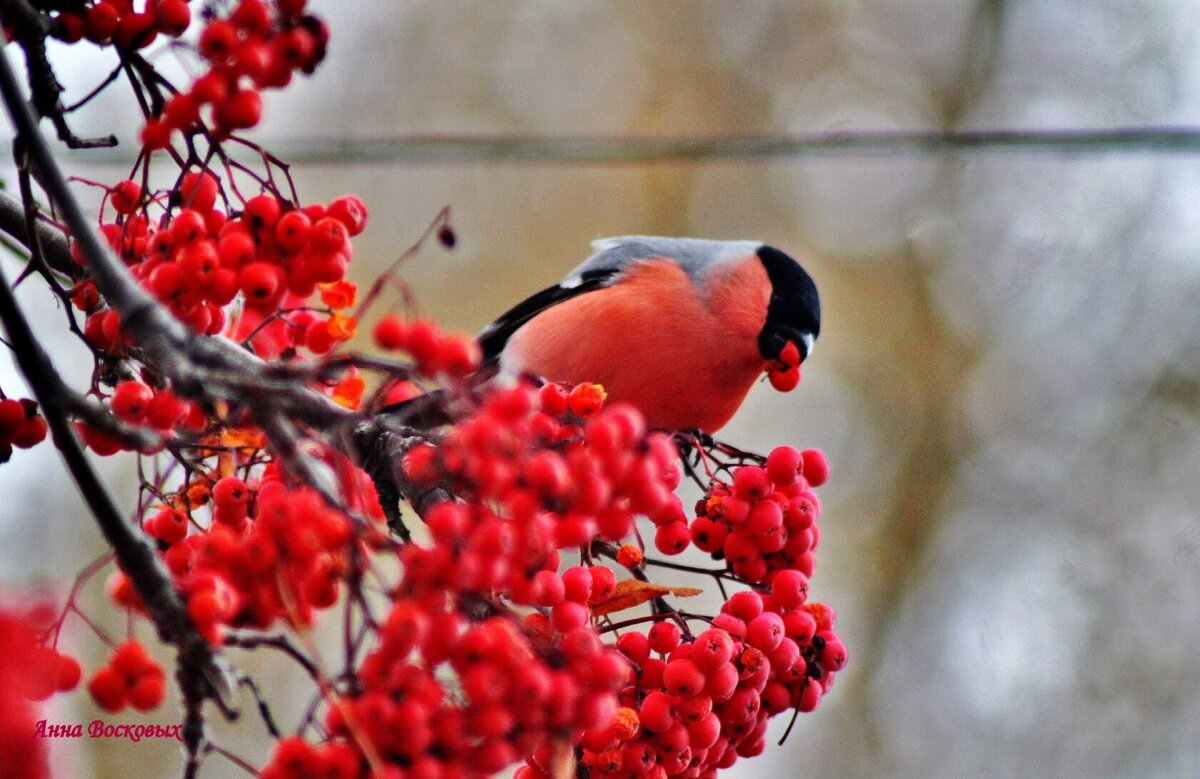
{"x":794,"y":313}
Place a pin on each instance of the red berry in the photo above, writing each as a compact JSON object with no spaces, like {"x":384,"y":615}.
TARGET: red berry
{"x":790,"y":588}
{"x":156,"y":134}
{"x":785,"y":380}
{"x":30,"y":433}
{"x":683,"y":678}
{"x":107,"y":688}
{"x":586,"y":400}
{"x":672,"y":538}
{"x":750,"y":482}
{"x":577,"y":584}
{"x":261,"y":212}
{"x":553,"y":399}
{"x":218,"y":41}
{"x":12,"y":414}
{"x":292,"y":231}
{"x":816,"y":467}
{"x":656,"y":712}
{"x":745,"y":605}
{"x":68,"y":673}
{"x":635,"y":646}
{"x":241,"y":110}
{"x":391,"y":333}
{"x":148,"y":692}
{"x":166,"y":410}
{"x":329,"y":235}
{"x":712,"y":649}
{"x":664,"y":637}
{"x":101,"y":21}
{"x":261,"y":283}
{"x":236,"y":249}
{"x":174,"y":16}
{"x":188,"y":226}
{"x":783,"y":466}
{"x":198,"y":191}
{"x":765,"y":631}
{"x":351,"y":212}
{"x":131,"y":400}
{"x":125,"y":196}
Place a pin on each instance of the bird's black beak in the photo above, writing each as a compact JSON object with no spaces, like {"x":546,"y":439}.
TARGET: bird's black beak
{"x":775,"y":346}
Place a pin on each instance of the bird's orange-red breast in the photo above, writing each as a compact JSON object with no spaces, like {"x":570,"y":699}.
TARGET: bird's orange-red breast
{"x":679,"y":327}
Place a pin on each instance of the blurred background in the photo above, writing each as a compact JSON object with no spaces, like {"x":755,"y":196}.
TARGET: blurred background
{"x":1008,"y":379}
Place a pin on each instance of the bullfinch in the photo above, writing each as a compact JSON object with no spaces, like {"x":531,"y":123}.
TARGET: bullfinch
{"x":679,"y":327}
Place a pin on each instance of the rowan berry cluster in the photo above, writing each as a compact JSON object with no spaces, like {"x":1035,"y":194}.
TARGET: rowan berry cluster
{"x":20,"y":426}
{"x":259,"y":45}
{"x":701,"y":702}
{"x":131,"y":678}
{"x":506,"y":632}
{"x":766,"y":519}
{"x":116,"y":22}
{"x":705,"y":702}
{"x":29,"y":672}
{"x":198,"y":259}
{"x":266,"y":553}
{"x":434,"y":353}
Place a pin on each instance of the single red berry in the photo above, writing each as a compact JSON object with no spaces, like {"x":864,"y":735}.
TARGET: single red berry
{"x":553,"y":399}
{"x":713,"y":648}
{"x":156,"y":134}
{"x":586,"y":400}
{"x":577,"y":584}
{"x":816,"y":467}
{"x":391,"y":333}
{"x":173,"y":16}
{"x":188,"y":226}
{"x":785,"y":380}
{"x":198,"y":191}
{"x":765,"y":631}
{"x":107,"y":688}
{"x":292,"y":231}
{"x":212,"y":87}
{"x":683,"y":678}
{"x":101,"y":21}
{"x":131,"y":400}
{"x":236,"y":249}
{"x":68,"y":673}
{"x":745,"y":605}
{"x":790,"y":588}
{"x":125,"y":196}
{"x":261,"y":283}
{"x":148,"y":692}
{"x":166,"y":410}
{"x":750,"y":482}
{"x":656,"y":712}
{"x":12,"y":414}
{"x":218,"y":41}
{"x":672,"y":538}
{"x":241,"y":110}
{"x":329,"y":235}
{"x":664,"y":637}
{"x":262,"y":212}
{"x":351,"y":212}
{"x":783,"y":466}
{"x":30,"y":433}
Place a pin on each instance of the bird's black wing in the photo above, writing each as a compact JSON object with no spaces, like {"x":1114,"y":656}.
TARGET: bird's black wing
{"x":494,"y":337}
{"x":428,"y":410}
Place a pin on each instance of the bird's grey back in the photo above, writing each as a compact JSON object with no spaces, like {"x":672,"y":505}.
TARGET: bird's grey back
{"x":697,"y":256}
